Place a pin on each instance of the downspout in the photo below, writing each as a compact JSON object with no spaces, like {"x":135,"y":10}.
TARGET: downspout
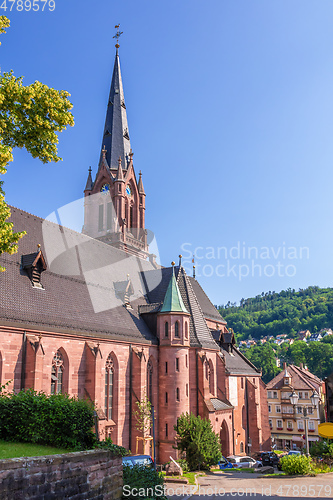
{"x":130,"y":398}
{"x":247,"y":416}
{"x":23,"y":362}
{"x":197,"y":379}
{"x":233,"y":430}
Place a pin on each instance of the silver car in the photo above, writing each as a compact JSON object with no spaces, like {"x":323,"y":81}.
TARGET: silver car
{"x":244,"y":462}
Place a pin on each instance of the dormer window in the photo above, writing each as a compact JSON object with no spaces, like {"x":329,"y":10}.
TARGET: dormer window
{"x":34,"y":264}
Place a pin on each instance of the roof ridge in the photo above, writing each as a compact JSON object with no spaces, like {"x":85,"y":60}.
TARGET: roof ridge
{"x":189,"y":286}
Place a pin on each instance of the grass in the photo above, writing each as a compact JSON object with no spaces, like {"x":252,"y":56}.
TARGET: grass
{"x":17,"y":450}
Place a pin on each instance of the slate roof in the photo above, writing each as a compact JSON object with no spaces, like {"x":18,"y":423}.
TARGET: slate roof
{"x":237,"y":364}
{"x":218,"y":404}
{"x":210,"y":311}
{"x":115,"y":137}
{"x":79,"y":295}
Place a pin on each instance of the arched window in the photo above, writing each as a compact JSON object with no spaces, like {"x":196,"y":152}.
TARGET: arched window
{"x":242,"y":447}
{"x":109,"y":376}
{"x":150,"y":381}
{"x":177,"y":394}
{"x":211,"y":378}
{"x":166,"y":329}
{"x":186,"y":329}
{"x":177,"y":329}
{"x":243,"y":417}
{"x":57,"y":373}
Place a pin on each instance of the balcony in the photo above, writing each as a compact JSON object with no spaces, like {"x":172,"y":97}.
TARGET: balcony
{"x":288,"y":415}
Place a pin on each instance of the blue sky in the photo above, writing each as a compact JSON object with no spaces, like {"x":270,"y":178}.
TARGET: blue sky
{"x":230,"y":115}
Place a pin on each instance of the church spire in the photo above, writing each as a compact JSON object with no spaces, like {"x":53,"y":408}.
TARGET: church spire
{"x":116,"y":136}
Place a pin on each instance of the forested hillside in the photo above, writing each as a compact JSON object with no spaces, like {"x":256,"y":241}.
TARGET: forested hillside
{"x":317,"y":356}
{"x":274,"y":313}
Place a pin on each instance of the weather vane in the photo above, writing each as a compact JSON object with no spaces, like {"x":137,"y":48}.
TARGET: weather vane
{"x":117,"y":35}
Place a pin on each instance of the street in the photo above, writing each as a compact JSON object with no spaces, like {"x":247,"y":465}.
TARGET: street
{"x":236,"y":485}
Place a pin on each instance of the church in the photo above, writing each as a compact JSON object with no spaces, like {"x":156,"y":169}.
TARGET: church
{"x":93,"y":315}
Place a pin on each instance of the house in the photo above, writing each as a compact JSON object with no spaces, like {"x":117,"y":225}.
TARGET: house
{"x":287,"y":421}
{"x":93,"y":315}
{"x":315,"y":337}
{"x":303,"y":334}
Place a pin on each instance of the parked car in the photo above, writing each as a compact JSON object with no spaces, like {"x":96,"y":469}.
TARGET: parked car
{"x":132,"y":460}
{"x":268,"y":458}
{"x":224,"y":464}
{"x":242,"y":462}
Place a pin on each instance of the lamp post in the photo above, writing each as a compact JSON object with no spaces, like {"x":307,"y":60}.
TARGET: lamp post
{"x":314,"y":400}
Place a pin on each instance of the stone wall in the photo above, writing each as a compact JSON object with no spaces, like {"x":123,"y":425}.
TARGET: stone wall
{"x":94,"y":474}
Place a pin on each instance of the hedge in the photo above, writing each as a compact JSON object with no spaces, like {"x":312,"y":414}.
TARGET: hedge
{"x":56,"y":420}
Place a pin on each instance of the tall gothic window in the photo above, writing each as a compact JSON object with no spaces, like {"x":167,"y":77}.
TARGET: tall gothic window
{"x":177,"y":329}
{"x":150,"y":381}
{"x":166,"y":329}
{"x":186,"y":329}
{"x":109,"y":373}
{"x":57,"y":373}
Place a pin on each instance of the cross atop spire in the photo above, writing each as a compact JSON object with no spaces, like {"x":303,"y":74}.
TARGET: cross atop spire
{"x":117,"y":35}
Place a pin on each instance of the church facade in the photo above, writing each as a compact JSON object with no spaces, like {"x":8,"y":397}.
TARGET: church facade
{"x":93,"y":315}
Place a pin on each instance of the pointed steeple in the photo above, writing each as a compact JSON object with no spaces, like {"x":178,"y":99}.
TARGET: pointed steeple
{"x":140,"y":184}
{"x":89,"y":184}
{"x":173,"y":301}
{"x":116,"y":136}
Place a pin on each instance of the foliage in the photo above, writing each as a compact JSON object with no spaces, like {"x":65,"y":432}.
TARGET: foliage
{"x":322,"y":449}
{"x":107,"y":444}
{"x":296,"y":464}
{"x":30,"y":118}
{"x":55,"y":420}
{"x":273,"y":313}
{"x":184,"y":465}
{"x":143,"y":416}
{"x":142,"y":482}
{"x":197,"y":439}
{"x":263,"y":357}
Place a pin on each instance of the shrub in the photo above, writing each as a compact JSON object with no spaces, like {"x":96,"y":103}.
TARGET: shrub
{"x":296,"y":464}
{"x":197,"y":438}
{"x":322,"y":449}
{"x":107,"y":444}
{"x":142,"y":482}
{"x":55,"y":420}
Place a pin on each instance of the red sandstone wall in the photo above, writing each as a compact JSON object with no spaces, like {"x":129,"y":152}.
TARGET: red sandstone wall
{"x":90,"y":474}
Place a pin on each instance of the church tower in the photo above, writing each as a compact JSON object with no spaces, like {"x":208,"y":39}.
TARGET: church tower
{"x":173,"y":327}
{"x":115,"y":201}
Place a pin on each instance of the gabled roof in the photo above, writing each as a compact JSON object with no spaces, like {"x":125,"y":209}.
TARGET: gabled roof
{"x":116,"y":136}
{"x":300,"y":379}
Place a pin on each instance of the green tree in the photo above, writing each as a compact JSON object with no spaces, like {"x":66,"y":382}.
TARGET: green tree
{"x":263,"y":357}
{"x":195,"y":437}
{"x":30,"y":118}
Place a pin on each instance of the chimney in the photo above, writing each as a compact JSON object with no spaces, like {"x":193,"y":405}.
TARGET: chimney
{"x":284,"y":365}
{"x":301,"y":366}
